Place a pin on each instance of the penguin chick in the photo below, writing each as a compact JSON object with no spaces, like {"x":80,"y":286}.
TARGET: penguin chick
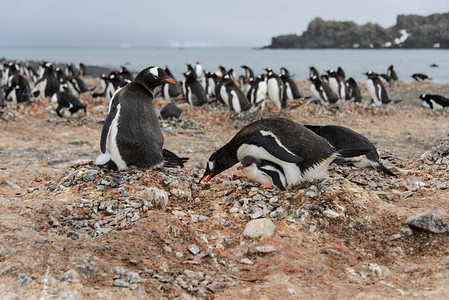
{"x":263,"y":171}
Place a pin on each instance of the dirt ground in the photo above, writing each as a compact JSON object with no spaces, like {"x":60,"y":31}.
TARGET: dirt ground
{"x":69,"y":230}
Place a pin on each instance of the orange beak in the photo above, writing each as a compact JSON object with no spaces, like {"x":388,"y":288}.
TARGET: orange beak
{"x":363,"y":73}
{"x":309,"y":79}
{"x":206,"y":178}
{"x":170,"y":80}
{"x":240,"y":168}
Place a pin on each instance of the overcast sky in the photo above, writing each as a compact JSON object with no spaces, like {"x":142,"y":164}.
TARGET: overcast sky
{"x":185,"y":22}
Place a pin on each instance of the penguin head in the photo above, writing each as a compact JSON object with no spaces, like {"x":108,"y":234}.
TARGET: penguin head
{"x":153,"y":77}
{"x":422,"y":96}
{"x":248,"y":161}
{"x":285,"y":72}
{"x":221,"y":160}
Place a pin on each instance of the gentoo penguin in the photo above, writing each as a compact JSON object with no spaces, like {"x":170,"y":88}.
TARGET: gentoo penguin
{"x":275,"y":89}
{"x":2,"y":99}
{"x":353,"y":91}
{"x":302,"y":154}
{"x":210,"y":81}
{"x":341,"y":72}
{"x":83,"y":69}
{"x":169,"y":90}
{"x":313,"y":72}
{"x":247,"y":76}
{"x":18,"y":90}
{"x":344,"y":138}
{"x":258,"y":91}
{"x":125,"y":74}
{"x":72,"y":70}
{"x":170,"y":111}
{"x":48,"y":84}
{"x":420,"y":77}
{"x":322,"y":91}
{"x":434,"y":101}
{"x":392,"y":73}
{"x":376,"y":90}
{"x":111,"y":83}
{"x":233,"y":96}
{"x":291,"y":91}
{"x":131,"y":135}
{"x":198,"y":70}
{"x":194,"y":91}
{"x":337,"y":84}
{"x":67,"y":105}
{"x":264,"y":171}
{"x":385,"y":78}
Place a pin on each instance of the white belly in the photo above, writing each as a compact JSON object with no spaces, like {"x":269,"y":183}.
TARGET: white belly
{"x":274,"y":92}
{"x":111,"y":144}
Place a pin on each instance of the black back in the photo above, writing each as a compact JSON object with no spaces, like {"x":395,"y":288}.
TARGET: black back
{"x":353,"y":90}
{"x":170,"y":111}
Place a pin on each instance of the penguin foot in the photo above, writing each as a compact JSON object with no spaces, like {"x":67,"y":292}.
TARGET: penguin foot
{"x":267,"y":186}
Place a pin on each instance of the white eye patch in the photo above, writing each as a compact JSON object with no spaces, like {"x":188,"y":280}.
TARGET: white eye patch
{"x":155,"y":72}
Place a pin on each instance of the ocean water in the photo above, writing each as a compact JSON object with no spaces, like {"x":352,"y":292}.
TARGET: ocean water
{"x":297,"y":61}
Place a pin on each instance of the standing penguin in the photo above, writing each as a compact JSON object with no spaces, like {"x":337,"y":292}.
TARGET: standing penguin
{"x":392,"y":73}
{"x":233,"y":96}
{"x":48,"y":84}
{"x":302,"y":154}
{"x":198,"y":70}
{"x":194,"y":91}
{"x":258,"y":91}
{"x":337,"y":83}
{"x":263,"y":171}
{"x":353,"y":91}
{"x":18,"y":89}
{"x":275,"y":89}
{"x":210,"y":81}
{"x":434,"y":101}
{"x":376,"y":89}
{"x":169,"y":90}
{"x":125,"y":74}
{"x":344,"y":138}
{"x":291,"y":91}
{"x":313,"y":72}
{"x":67,"y":105}
{"x":131,"y":135}
{"x":322,"y":92}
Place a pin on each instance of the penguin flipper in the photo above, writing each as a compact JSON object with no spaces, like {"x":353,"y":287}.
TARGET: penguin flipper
{"x":353,"y":152}
{"x":107,"y":125}
{"x":275,"y":178}
{"x":379,"y":166}
{"x":172,"y":160}
{"x":270,"y":144}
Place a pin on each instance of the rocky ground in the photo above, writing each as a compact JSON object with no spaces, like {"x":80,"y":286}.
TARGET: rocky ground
{"x":69,"y":230}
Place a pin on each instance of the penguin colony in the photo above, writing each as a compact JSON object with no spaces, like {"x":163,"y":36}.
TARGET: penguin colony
{"x":132,"y":138}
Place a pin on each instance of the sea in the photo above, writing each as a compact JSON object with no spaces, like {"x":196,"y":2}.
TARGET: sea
{"x":353,"y":61}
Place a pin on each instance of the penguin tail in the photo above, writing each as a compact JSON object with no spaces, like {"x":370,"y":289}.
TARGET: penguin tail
{"x":379,"y":166}
{"x":352,"y":152}
{"x":103,"y":159}
{"x":172,"y":160}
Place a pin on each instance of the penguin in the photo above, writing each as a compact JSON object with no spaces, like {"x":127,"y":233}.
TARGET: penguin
{"x":210,"y":81}
{"x":18,"y":90}
{"x":67,"y":105}
{"x":233,"y":96}
{"x":343,"y":138}
{"x":313,"y":72}
{"x":170,"y":111}
{"x":341,"y":73}
{"x":263,"y":171}
{"x":83,"y":69}
{"x":420,"y":77}
{"x":337,"y":84}
{"x":291,"y":91}
{"x":169,"y":90}
{"x":48,"y":83}
{"x":111,"y":83}
{"x":434,"y":101}
{"x":322,"y":92}
{"x":275,"y":89}
{"x":258,"y":91}
{"x":353,"y":91}
{"x":392,"y":73}
{"x":2,"y":99}
{"x":72,"y":70}
{"x":302,"y":154}
{"x":131,"y":135}
{"x":124,"y":74}
{"x":221,"y":71}
{"x":248,"y":75}
{"x":198,"y":70}
{"x":376,"y":89}
{"x":194,"y":91}
{"x":385,"y":78}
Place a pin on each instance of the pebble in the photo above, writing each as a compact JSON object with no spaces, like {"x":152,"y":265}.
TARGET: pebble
{"x":264,"y":249}
{"x":89,"y":177}
{"x":431,"y":221}
{"x":120,"y":283}
{"x":71,"y":276}
{"x":259,"y":228}
{"x":24,"y":280}
{"x":331,"y":214}
{"x":194,"y":249}
{"x":246,"y":261}
{"x":158,"y":198}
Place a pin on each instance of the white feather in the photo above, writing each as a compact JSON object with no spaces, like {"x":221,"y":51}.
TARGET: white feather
{"x":274,"y":92}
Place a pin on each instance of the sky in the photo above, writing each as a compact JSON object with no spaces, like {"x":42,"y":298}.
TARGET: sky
{"x":184,"y":23}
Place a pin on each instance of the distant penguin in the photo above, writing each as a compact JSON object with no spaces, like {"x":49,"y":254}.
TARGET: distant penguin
{"x":313,"y":72}
{"x":194,"y":91}
{"x":337,"y":83}
{"x":48,"y":84}
{"x":111,"y":83}
{"x":291,"y":91}
{"x":343,"y":138}
{"x":131,"y":135}
{"x":2,"y":99}
{"x":233,"y":96}
{"x":263,"y":171}
{"x":302,"y":154}
{"x":376,"y":90}
{"x":18,"y":90}
{"x":258,"y":92}
{"x":247,"y":76}
{"x":353,"y":91}
{"x":275,"y":89}
{"x":83,"y":69}
{"x":434,"y":101}
{"x":341,"y":73}
{"x":392,"y":73}
{"x":67,"y":105}
{"x":221,"y":71}
{"x":171,"y":111}
{"x":198,"y":70}
{"x":171,"y":90}
{"x":420,"y":77}
{"x":322,"y":92}
{"x":125,"y":74}
{"x":210,"y":81}
{"x":72,"y":70}
{"x":385,"y":78}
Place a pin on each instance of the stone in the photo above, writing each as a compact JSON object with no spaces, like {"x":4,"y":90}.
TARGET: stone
{"x":194,"y":249}
{"x":246,"y":261}
{"x":24,"y":280}
{"x":71,"y":276}
{"x":158,"y":198}
{"x":259,"y":228}
{"x":263,"y":249}
{"x":331,"y":214}
{"x":120,"y":283}
{"x":430,"y":221}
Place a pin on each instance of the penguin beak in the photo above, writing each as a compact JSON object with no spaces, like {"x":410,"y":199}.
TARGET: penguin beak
{"x":309,"y":79}
{"x":363,"y":73}
{"x":206,"y":178}
{"x":240,"y":168}
{"x":170,"y":80}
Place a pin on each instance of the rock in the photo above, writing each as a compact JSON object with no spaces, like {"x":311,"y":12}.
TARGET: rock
{"x":133,"y":278}
{"x":246,"y":261}
{"x":331,"y":214}
{"x":158,"y":198}
{"x":24,"y":280}
{"x":264,"y":249}
{"x":259,"y":228}
{"x":71,"y":276}
{"x":194,"y":249}
{"x":89,"y":177}
{"x":431,"y":221}
{"x":120,"y":283}
{"x":67,"y":296}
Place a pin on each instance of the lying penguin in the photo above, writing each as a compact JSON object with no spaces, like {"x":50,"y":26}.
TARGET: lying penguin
{"x":344,"y":138}
{"x":263,"y":171}
{"x":67,"y":105}
{"x":302,"y":154}
{"x":434,"y":101}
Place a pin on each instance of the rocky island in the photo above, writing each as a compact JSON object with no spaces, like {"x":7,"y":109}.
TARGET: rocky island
{"x":410,"y":31}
